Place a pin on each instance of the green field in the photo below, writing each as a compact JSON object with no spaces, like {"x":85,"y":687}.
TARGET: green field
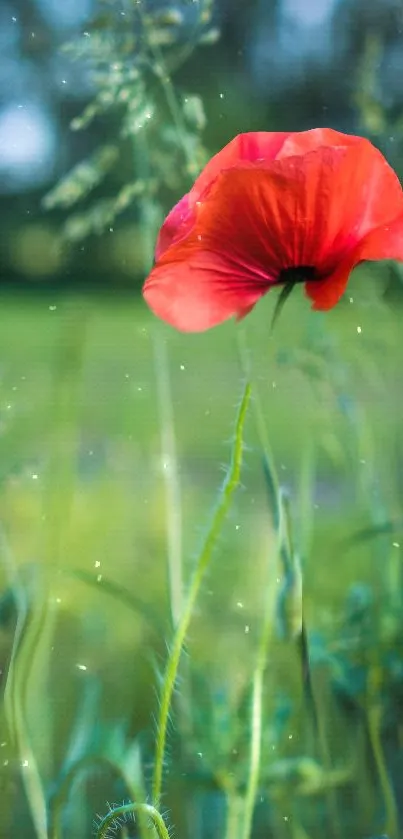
{"x":115,"y":436}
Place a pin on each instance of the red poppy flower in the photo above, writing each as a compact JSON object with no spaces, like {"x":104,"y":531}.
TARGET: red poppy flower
{"x":273,"y":209}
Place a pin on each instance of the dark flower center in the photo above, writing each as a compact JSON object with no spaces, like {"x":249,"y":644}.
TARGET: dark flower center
{"x":297,"y":274}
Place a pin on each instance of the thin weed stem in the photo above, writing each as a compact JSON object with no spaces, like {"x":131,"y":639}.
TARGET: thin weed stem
{"x":391,"y":827}
{"x":235,"y":806}
{"x":255,"y":752}
{"x":203,"y":561}
{"x":257,"y":712}
{"x":169,"y":91}
{"x":145,"y":809}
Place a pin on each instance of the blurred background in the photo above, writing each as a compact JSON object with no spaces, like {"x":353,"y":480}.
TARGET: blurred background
{"x":116,"y":432}
{"x":283,"y":65}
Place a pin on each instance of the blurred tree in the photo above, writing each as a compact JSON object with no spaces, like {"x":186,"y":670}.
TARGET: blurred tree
{"x":273,"y":68}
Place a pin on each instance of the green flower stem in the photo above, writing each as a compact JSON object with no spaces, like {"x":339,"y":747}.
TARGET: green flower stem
{"x":145,"y":809}
{"x":230,"y":484}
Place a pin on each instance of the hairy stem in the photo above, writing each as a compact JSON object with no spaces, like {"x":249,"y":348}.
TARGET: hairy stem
{"x":145,"y":809}
{"x":202,"y":564}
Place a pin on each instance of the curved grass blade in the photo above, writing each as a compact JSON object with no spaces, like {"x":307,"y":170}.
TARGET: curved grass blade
{"x":368,"y":533}
{"x":31,"y":638}
{"x":118,"y":592}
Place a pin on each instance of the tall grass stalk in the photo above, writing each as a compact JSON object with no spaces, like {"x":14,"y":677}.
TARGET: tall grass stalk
{"x":171,"y":476}
{"x":391,"y":825}
{"x":150,"y":221}
{"x":256,"y":723}
{"x":63,"y":429}
{"x":202,"y":564}
{"x":235,"y":810}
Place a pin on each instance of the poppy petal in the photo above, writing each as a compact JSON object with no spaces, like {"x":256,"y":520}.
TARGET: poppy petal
{"x":309,"y":209}
{"x":250,"y":147}
{"x":177,"y":223}
{"x":199,"y":292}
{"x":254,"y":221}
{"x":326,"y":293}
{"x":385,"y":242}
{"x":326,"y":206}
{"x":301,"y":142}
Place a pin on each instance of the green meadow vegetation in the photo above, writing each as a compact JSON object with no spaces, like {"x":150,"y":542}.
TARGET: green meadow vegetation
{"x":201,"y":612}
{"x":116,"y":438}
